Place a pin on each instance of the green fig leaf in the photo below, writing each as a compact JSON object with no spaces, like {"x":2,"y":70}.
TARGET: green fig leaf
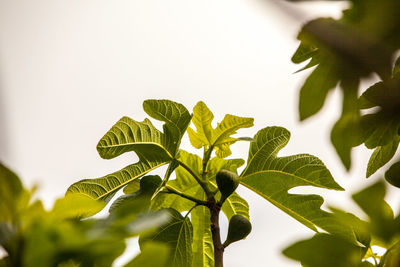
{"x":271,"y":177}
{"x":220,"y":137}
{"x":153,"y":147}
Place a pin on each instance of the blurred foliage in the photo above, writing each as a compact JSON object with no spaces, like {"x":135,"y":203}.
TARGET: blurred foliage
{"x":65,"y":235}
{"x":363,"y":42}
{"x":381,"y":229}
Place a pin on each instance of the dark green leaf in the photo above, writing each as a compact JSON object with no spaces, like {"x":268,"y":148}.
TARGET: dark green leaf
{"x":10,"y":189}
{"x":346,"y":133}
{"x":381,"y":156}
{"x":371,"y":200}
{"x":393,"y":174}
{"x":325,"y":250}
{"x":315,"y":89}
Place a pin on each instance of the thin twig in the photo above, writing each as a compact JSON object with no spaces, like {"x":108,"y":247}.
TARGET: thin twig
{"x":195,"y":205}
{"x":171,"y":190}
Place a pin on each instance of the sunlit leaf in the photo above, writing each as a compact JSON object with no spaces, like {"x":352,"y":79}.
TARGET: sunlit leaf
{"x":271,"y":177}
{"x":220,"y":137}
{"x":203,"y":251}
{"x":153,"y":147}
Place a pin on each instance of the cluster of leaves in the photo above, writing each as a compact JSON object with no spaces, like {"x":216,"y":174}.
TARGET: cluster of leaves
{"x":382,"y":229}
{"x":189,"y":184}
{"x":362,"y":42}
{"x":32,"y":236}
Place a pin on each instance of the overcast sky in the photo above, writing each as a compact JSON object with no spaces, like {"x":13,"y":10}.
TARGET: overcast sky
{"x":70,"y":69}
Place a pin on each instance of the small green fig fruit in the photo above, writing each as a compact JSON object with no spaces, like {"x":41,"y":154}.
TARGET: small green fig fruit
{"x":149,"y":183}
{"x":227,"y":182}
{"x":239,"y":228}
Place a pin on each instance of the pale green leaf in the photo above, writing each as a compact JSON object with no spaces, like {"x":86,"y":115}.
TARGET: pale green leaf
{"x":228,"y":126}
{"x":203,"y":251}
{"x":271,"y":177}
{"x":220,"y":137}
{"x":76,"y":206}
{"x":153,"y":254}
{"x":381,"y":156}
{"x":178,"y":235}
{"x":202,"y":118}
{"x":176,"y":118}
{"x":346,"y":133}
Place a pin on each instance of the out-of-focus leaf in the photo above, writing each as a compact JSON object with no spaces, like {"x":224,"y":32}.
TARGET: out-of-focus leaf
{"x":304,"y":52}
{"x":315,"y":89}
{"x":76,"y":206}
{"x":203,"y":251}
{"x":139,"y":201}
{"x":382,"y":223}
{"x":152,"y":255}
{"x":178,"y":235}
{"x":132,"y":187}
{"x":10,"y":189}
{"x":325,"y":250}
{"x":381,"y":156}
{"x":393,"y":174}
{"x":271,"y":177}
{"x":346,"y":133}
{"x":391,"y":257}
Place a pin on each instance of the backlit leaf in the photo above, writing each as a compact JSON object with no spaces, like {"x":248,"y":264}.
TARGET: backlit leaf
{"x":271,"y":177}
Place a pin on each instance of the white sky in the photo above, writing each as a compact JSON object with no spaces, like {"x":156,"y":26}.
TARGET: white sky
{"x":70,"y":69}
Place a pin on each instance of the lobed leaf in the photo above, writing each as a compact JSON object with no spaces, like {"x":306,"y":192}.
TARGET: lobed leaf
{"x":105,"y":187}
{"x":153,"y":147}
{"x":220,"y":137}
{"x":271,"y":177}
